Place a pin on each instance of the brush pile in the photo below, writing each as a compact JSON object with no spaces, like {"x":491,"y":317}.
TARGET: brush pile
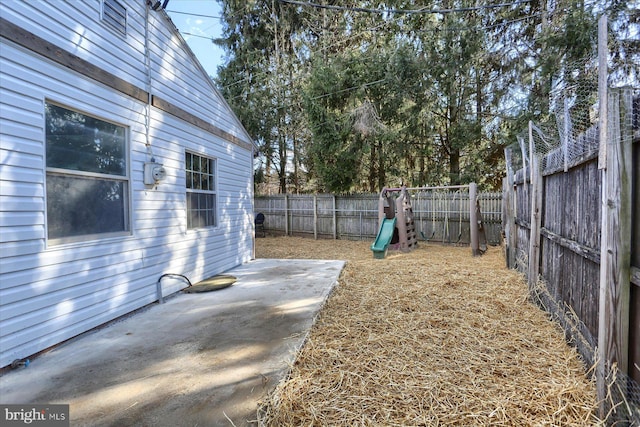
{"x":431,"y":337}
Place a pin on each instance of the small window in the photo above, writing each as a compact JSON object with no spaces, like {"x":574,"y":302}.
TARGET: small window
{"x":87,"y":178}
{"x":115,"y":14}
{"x":201,"y":191}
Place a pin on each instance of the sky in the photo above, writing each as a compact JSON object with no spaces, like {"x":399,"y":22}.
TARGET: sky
{"x":197,"y":25}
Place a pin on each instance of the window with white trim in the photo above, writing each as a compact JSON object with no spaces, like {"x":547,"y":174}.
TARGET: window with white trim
{"x":87,"y":176}
{"x":115,"y":14}
{"x":202,"y":199}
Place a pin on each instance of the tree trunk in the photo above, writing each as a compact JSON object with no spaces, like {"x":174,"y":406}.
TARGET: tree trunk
{"x":478,"y":107}
{"x":372,"y":169}
{"x":454,"y":166}
{"x":296,"y":160}
{"x":382,"y":173}
{"x":282,"y":172}
{"x":422,"y":176}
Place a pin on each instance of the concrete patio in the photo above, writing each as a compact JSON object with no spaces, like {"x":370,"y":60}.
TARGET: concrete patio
{"x":203,"y":359}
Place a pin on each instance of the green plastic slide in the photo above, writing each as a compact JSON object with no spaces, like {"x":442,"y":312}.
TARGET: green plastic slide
{"x":379,"y":247}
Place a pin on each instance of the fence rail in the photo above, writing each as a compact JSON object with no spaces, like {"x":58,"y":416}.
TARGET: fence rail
{"x":439,"y":216}
{"x":575,"y":224}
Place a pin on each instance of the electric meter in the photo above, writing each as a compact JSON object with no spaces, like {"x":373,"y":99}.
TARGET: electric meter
{"x":153,"y":173}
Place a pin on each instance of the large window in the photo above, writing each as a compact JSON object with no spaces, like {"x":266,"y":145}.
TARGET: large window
{"x":87,"y":178}
{"x":201,"y":191}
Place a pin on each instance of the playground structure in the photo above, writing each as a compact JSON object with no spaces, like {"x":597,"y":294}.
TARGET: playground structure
{"x":446,"y":207}
{"x":395,"y":218}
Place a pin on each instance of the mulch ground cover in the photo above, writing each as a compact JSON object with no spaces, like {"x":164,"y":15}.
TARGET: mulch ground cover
{"x":433,"y":337}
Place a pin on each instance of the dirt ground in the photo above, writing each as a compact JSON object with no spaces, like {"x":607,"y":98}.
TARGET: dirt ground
{"x":432,"y":337}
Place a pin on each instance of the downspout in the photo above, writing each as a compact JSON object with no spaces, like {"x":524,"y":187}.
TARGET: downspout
{"x":253,"y":199}
{"x":147,"y":115}
{"x":147,"y":63}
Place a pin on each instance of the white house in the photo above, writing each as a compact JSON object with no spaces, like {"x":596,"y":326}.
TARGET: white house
{"x":119,"y":162}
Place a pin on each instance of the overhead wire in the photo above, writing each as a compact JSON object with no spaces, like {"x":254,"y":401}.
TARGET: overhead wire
{"x":524,"y":18}
{"x":359,"y":59}
{"x":344,"y":40}
{"x":363,"y":31}
{"x":387,"y":23}
{"x":366,"y":30}
{"x":317,"y":51}
{"x":402,"y":11}
{"x":360,"y":34}
{"x":198,"y":35}
{"x":195,"y":14}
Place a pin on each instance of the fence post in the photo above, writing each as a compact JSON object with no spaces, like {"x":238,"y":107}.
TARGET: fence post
{"x":335,"y":223}
{"x":286,"y":215}
{"x":473,"y":220}
{"x":523,"y":151}
{"x":603,"y":59}
{"x":536,"y":217}
{"x":315,"y":216}
{"x":509,"y":212}
{"x":566,"y":134}
{"x":615,"y":245}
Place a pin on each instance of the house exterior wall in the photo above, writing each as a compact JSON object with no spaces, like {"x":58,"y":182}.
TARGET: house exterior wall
{"x":49,"y":291}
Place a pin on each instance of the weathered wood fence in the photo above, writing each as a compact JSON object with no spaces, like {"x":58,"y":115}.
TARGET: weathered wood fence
{"x":439,"y":216}
{"x":576,"y":226}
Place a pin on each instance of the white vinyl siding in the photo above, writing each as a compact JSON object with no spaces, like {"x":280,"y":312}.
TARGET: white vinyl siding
{"x":50,"y":293}
{"x":75,"y":27}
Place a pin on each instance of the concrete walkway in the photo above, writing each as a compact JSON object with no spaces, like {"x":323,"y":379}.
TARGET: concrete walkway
{"x":203,"y":359}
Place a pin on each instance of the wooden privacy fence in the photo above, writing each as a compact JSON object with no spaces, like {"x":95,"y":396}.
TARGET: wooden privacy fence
{"x":575,"y":224}
{"x":439,"y":216}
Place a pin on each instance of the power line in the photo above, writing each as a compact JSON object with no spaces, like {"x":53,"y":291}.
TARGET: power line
{"x":324,"y":95}
{"x":195,"y":14}
{"x":401,"y":11}
{"x":198,"y":35}
{"x":381,"y":24}
{"x":374,"y":28}
{"x":362,"y":31}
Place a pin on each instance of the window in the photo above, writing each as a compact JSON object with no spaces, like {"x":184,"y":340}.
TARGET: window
{"x":115,"y":14}
{"x":201,"y":191}
{"x":87,"y":179}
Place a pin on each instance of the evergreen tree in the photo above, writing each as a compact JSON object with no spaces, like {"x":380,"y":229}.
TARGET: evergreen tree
{"x":364,"y":94}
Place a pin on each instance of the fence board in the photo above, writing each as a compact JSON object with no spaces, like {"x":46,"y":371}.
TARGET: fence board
{"x":572,"y":251}
{"x":522,"y":217}
{"x":439,"y":216}
{"x":634,"y":309}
